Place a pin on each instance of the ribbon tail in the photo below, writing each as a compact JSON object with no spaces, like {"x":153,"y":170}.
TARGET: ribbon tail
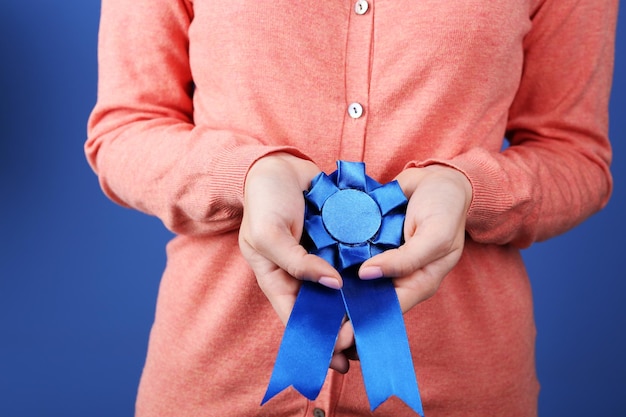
{"x":308,"y":342}
{"x":381,"y":340}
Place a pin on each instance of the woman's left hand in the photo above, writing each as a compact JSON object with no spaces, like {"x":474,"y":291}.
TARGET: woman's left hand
{"x":434,"y":233}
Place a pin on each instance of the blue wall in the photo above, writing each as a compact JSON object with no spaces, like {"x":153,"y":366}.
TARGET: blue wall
{"x":79,"y":275}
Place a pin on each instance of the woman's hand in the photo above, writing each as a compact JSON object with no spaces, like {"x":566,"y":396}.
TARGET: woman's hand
{"x":434,"y":233}
{"x":269,"y":238}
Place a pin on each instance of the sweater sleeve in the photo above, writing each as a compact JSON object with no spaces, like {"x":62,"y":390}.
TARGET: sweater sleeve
{"x":142,"y":141}
{"x":555,"y":173}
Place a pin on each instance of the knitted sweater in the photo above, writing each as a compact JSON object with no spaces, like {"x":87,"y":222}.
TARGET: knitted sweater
{"x":192,"y":93}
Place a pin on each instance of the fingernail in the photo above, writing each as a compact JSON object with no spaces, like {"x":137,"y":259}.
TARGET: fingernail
{"x":370,"y":272}
{"x":330,"y":283}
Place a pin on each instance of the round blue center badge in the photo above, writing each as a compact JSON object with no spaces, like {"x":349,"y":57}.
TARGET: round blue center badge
{"x":351,"y":216}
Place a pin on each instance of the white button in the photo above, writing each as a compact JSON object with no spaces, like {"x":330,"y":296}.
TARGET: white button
{"x":355,"y":110}
{"x":361,"y":7}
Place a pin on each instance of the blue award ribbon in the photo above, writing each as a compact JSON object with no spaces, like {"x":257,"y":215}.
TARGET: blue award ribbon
{"x":349,"y":218}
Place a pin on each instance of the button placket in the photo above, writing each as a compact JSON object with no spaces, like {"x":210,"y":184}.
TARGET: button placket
{"x":358,"y":57}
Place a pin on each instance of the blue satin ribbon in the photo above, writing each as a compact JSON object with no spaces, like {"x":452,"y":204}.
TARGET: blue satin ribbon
{"x":349,"y":218}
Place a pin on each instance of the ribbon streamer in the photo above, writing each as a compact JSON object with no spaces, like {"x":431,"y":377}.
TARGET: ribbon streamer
{"x":349,"y":218}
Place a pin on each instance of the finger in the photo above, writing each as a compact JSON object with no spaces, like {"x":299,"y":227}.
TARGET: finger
{"x":346,"y":342}
{"x":427,"y":245}
{"x":281,"y":291}
{"x":344,"y":349}
{"x":424,"y":283}
{"x":345,"y":337}
{"x":283,"y":250}
{"x":340,"y":363}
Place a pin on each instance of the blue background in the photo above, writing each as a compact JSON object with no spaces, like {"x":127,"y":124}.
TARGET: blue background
{"x":79,"y":275}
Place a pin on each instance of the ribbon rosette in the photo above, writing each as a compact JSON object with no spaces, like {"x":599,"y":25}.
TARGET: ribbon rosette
{"x":349,"y":218}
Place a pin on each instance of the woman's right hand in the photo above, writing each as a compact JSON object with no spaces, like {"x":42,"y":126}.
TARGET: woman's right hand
{"x":269,"y":238}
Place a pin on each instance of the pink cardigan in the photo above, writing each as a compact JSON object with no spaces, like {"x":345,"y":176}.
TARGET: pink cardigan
{"x":191,"y":93}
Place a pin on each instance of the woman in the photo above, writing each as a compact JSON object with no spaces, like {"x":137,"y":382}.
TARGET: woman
{"x":216,"y":116}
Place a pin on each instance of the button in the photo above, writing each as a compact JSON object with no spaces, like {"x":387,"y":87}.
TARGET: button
{"x":355,"y":110}
{"x":361,"y":7}
{"x":318,"y":412}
